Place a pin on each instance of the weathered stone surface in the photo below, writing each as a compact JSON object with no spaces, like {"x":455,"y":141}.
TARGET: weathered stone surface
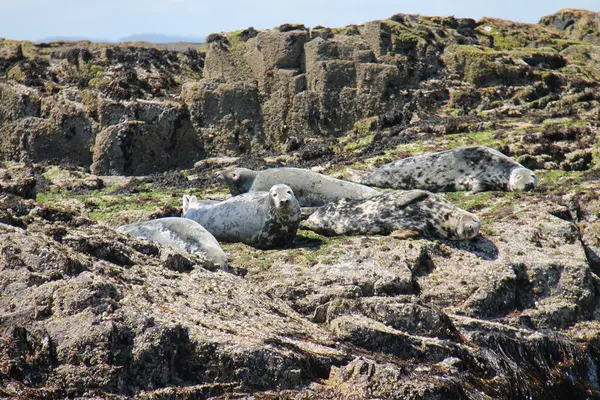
{"x":86,"y":312}
{"x":227,"y":115}
{"x":163,"y":138}
{"x":581,"y":25}
{"x":360,"y":272}
{"x":364,"y":378}
{"x":18,"y":180}
{"x":88,"y":307}
{"x":276,"y":49}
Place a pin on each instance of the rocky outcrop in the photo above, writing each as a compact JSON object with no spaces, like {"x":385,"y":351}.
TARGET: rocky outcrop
{"x":90,"y":313}
{"x":88,"y":310}
{"x":65,"y":110}
{"x":255,"y":91}
{"x":159,"y":136}
{"x":580,"y":25}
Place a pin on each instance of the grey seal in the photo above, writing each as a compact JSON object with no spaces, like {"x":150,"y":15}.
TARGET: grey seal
{"x":477,"y":169}
{"x":412,"y":210}
{"x":260,"y":219}
{"x":181,"y":233}
{"x":310,"y":188}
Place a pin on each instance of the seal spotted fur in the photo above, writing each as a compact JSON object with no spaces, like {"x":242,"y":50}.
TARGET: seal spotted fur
{"x":412,"y":210}
{"x":180,"y":233}
{"x":259,"y":219}
{"x":476,"y":169}
{"x":310,"y":188}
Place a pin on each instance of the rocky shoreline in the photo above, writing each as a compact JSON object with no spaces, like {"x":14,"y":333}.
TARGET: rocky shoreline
{"x":94,"y":136}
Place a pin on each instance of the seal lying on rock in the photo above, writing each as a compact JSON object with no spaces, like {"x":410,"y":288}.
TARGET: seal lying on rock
{"x":412,"y":210}
{"x":311,"y":188}
{"x":181,"y":233}
{"x":476,"y":169}
{"x":260,"y":219}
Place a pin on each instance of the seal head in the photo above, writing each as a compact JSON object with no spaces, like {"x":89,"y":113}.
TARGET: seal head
{"x":467,"y":226}
{"x":521,"y":179}
{"x":238,"y":180}
{"x":284,"y":217}
{"x":283,"y":199}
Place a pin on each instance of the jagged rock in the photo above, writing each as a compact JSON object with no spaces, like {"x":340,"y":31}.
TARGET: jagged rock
{"x":163,"y":138}
{"x":89,"y":313}
{"x":18,"y":101}
{"x":276,"y":49}
{"x":364,"y":378}
{"x":375,"y":336}
{"x":348,"y":275}
{"x":18,"y":181}
{"x":400,"y":313}
{"x":580,"y":25}
{"x":138,"y":324}
{"x":227,"y":115}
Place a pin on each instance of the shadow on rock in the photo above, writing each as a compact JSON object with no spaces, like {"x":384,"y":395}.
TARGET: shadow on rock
{"x":305,"y":242}
{"x":593,"y":259}
{"x":480,"y":246}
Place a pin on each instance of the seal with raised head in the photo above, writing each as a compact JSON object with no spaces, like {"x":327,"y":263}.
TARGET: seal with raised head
{"x":181,"y":233}
{"x":260,"y":219}
{"x":312,"y":189}
{"x":476,"y":168}
{"x":402,"y":211}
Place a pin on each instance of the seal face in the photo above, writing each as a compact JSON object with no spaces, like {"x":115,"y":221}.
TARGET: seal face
{"x":411,"y":210}
{"x":522,"y":179}
{"x":477,"y":169}
{"x":310,"y":188}
{"x":259,"y":219}
{"x":181,"y":233}
{"x":238,"y":180}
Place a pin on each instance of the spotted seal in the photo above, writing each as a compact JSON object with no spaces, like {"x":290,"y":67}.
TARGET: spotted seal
{"x":310,"y":188}
{"x":411,"y":210}
{"x":260,"y":219}
{"x":477,"y":169}
{"x":181,"y":233}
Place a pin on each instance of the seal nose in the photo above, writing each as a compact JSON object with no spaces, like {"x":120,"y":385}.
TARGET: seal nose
{"x":471,"y":230}
{"x":284,"y":201}
{"x":529,"y":186}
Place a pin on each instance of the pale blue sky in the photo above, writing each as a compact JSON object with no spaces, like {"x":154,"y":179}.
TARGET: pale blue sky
{"x":113,"y":19}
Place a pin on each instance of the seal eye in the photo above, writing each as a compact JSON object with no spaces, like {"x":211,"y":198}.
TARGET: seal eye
{"x":274,"y":194}
{"x":289,"y":192}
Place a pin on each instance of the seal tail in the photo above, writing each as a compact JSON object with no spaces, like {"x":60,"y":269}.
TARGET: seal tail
{"x":188,"y":202}
{"x":356,"y":176}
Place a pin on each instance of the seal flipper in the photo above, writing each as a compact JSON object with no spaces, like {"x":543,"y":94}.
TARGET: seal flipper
{"x":187,"y":201}
{"x":477,"y":187}
{"x":404,"y":233}
{"x":409,"y":197}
